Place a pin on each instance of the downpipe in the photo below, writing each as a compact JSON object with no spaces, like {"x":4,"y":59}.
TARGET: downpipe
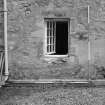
{"x":6,"y":72}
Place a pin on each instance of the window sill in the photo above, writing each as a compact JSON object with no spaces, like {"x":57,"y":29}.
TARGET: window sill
{"x":56,"y":56}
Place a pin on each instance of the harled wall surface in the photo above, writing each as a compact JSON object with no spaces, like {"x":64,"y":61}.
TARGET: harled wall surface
{"x":26,"y":32}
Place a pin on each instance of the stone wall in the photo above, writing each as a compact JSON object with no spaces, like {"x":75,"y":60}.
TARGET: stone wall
{"x":26,"y":32}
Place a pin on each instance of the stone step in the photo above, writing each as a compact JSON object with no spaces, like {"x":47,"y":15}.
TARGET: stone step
{"x":48,"y":84}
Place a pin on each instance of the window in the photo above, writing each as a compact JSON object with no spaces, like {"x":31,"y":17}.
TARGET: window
{"x":56,"y":36}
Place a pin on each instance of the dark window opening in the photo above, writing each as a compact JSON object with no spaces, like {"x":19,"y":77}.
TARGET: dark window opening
{"x":57,"y":36}
{"x":61,"y":38}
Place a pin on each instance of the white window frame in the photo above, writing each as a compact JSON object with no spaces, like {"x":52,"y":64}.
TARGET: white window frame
{"x":45,"y":37}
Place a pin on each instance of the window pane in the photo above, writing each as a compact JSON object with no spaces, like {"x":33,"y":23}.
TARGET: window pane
{"x":48,"y":48}
{"x":52,"y":40}
{"x":48,"y":25}
{"x":47,"y":40}
{"x":53,"y":48}
{"x":47,"y":32}
{"x":50,"y":32}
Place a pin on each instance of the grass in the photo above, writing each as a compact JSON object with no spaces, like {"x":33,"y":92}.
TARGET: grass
{"x":52,"y":95}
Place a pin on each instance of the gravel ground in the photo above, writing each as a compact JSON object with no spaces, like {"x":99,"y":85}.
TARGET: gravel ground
{"x":52,"y":95}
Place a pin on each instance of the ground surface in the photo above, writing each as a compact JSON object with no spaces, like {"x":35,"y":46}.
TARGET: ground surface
{"x":52,"y":95}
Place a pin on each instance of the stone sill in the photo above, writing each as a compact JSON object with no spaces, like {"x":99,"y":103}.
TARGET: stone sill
{"x":54,"y":58}
{"x":72,"y":82}
{"x":50,"y":81}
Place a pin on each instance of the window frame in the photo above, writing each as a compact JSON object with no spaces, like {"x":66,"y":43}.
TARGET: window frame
{"x":45,"y":36}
